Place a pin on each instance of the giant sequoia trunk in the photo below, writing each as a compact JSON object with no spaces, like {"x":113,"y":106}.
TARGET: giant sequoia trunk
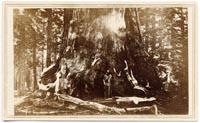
{"x":143,"y":69}
{"x":107,"y":39}
{"x":116,"y":37}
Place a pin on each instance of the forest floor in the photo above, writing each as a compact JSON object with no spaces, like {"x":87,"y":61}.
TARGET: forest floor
{"x":30,"y":104}
{"x":18,"y":99}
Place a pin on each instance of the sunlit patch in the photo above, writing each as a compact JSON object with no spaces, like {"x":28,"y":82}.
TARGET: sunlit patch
{"x":114,"y":21}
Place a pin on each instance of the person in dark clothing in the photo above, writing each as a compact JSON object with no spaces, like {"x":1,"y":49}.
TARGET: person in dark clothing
{"x":107,"y":84}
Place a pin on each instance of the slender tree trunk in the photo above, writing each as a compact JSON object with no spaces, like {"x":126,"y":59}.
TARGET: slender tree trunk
{"x":184,"y":53}
{"x":138,"y":24}
{"x":15,"y":79}
{"x":34,"y":67}
{"x":42,"y":59}
{"x":183,"y":38}
{"x":22,"y":75}
{"x":27,"y":79}
{"x":147,"y":36}
{"x":68,"y":13}
{"x":153,"y":34}
{"x":49,"y":38}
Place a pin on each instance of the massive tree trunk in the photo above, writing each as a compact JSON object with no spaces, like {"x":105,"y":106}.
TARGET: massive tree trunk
{"x":143,"y":70}
{"x":125,"y":45}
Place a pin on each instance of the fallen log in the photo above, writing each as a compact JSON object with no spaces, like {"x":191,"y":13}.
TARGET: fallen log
{"x":106,"y":109}
{"x":135,"y":100}
{"x":88,"y":104}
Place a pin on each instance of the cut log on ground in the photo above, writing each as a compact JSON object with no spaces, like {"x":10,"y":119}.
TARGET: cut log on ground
{"x":106,"y":109}
{"x":88,"y":104}
{"x":135,"y":100}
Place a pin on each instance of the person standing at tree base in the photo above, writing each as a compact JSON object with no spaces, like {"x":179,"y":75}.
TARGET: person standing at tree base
{"x":107,"y":84}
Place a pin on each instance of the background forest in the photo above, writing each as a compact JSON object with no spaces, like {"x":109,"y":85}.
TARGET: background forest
{"x":152,"y":43}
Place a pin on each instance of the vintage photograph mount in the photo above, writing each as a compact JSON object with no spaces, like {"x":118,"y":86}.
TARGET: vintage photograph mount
{"x":76,"y":60}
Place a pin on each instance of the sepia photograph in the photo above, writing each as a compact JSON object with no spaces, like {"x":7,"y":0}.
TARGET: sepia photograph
{"x":110,"y":60}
